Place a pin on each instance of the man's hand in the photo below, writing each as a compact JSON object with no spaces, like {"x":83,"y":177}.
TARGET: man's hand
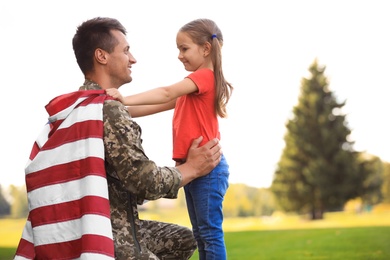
{"x":200,"y":160}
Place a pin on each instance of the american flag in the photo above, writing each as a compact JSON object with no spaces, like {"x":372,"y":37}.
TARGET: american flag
{"x":69,"y":211}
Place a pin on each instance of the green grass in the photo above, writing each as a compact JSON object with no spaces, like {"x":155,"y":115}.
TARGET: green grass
{"x":340,"y":235}
{"x":327,"y":243}
{"x":7,"y":253}
{"x":332,"y":243}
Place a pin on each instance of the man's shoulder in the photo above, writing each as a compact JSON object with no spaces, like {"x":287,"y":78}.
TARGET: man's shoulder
{"x":112,"y":103}
{"x":114,"y":110}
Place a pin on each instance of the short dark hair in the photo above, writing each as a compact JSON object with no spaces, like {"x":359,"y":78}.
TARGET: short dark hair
{"x":92,"y":34}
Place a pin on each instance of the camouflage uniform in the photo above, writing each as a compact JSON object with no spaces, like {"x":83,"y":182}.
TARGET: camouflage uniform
{"x":133,"y":178}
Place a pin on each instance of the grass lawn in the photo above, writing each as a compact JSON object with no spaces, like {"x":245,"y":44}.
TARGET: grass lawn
{"x":326,"y":243}
{"x":331,"y":243}
{"x":341,"y":235}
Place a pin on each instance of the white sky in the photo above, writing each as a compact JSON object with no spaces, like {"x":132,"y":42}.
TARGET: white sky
{"x":268,"y":48}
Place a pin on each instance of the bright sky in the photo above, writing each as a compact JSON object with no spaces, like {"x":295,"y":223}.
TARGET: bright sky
{"x":268,"y":48}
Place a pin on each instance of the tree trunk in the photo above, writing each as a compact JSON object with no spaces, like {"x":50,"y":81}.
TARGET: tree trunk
{"x":317,"y":214}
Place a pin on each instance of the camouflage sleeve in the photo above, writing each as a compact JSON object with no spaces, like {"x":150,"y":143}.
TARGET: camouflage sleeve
{"x":126,"y":158}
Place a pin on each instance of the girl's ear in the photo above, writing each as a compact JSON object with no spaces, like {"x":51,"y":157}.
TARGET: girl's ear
{"x":206,"y":49}
{"x":101,"y":56}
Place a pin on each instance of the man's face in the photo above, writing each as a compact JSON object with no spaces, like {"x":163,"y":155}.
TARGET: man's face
{"x":120,"y":61}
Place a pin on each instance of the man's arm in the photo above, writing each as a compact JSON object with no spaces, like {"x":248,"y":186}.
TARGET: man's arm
{"x":141,"y":176}
{"x":127,"y":161}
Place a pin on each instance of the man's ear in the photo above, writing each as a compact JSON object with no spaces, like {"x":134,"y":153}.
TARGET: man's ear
{"x":101,"y":56}
{"x":206,"y":49}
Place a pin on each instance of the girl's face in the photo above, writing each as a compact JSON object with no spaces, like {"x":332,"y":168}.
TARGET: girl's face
{"x":192,"y":56}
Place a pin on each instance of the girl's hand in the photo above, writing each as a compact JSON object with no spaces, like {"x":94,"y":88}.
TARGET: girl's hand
{"x":113,"y":92}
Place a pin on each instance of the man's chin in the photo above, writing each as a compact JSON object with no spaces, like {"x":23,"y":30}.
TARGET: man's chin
{"x":128,"y":80}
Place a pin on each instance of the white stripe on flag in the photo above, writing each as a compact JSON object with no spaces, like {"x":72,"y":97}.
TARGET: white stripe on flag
{"x":69,"y":152}
{"x":80,"y":114}
{"x":27,"y":232}
{"x":18,"y":257}
{"x":43,"y":136}
{"x":92,"y":256}
{"x":83,"y":113}
{"x":64,"y":113}
{"x":72,"y":230}
{"x":69,"y":191}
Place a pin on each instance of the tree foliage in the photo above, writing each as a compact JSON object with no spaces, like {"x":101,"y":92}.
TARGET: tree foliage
{"x":240,"y":201}
{"x":371,"y":170}
{"x":243,"y":201}
{"x":318,"y":169}
{"x":19,"y":207}
{"x":5,"y":207}
{"x":385,"y":189}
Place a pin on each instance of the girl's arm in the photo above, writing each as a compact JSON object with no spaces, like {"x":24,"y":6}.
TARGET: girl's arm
{"x":156,"y":96}
{"x":139,"y":111}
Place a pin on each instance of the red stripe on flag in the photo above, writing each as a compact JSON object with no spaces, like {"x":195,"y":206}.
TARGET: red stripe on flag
{"x":25,"y":249}
{"x":70,"y":210}
{"x":65,"y":172}
{"x":74,"y":249}
{"x":34,"y":151}
{"x":57,"y":104}
{"x":77,"y":131}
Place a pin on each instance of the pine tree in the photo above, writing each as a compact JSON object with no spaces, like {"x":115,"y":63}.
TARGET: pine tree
{"x":317,"y":171}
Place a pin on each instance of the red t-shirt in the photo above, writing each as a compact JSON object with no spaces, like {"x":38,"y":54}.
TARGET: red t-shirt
{"x":195,"y":115}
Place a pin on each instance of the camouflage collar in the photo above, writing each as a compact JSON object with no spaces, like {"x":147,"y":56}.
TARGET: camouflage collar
{"x":90,"y":85}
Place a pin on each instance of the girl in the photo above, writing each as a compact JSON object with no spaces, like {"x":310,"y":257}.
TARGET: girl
{"x":198,"y":100}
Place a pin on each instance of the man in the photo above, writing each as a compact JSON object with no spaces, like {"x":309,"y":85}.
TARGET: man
{"x":104,"y":57}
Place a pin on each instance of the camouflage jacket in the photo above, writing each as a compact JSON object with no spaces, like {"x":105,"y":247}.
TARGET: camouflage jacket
{"x":131,"y":176}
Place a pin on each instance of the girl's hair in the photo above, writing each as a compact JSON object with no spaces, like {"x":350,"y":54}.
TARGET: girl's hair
{"x":92,"y":34}
{"x":206,"y":30}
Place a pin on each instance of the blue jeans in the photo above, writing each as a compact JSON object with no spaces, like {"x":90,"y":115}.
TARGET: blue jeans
{"x":204,"y":197}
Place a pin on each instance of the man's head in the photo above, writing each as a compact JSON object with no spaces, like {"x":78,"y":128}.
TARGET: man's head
{"x":102,"y":51}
